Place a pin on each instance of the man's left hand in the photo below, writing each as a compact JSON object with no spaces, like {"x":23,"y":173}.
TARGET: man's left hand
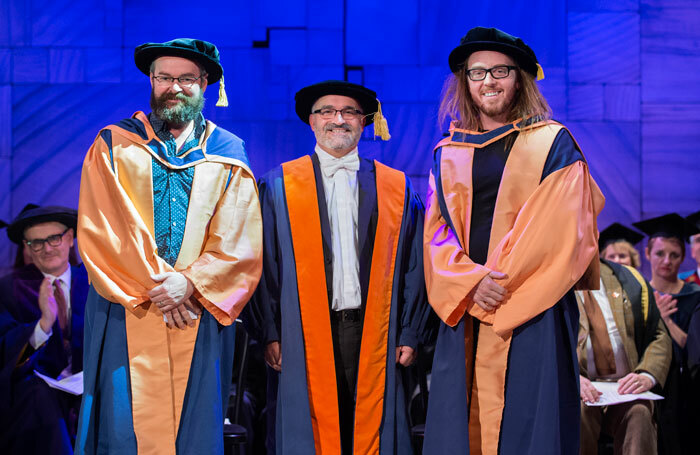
{"x":634,"y":383}
{"x":405,"y":355}
{"x":173,"y":290}
{"x":179,"y":317}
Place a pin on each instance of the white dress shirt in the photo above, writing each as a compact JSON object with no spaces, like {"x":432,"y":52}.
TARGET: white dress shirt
{"x":339,"y":176}
{"x":40,"y":337}
{"x":621,"y":361}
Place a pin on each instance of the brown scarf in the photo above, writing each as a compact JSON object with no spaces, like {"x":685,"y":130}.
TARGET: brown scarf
{"x":603,"y":355}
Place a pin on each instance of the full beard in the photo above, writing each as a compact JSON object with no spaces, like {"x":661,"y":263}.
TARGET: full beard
{"x":189,"y":108}
{"x":501,"y":110}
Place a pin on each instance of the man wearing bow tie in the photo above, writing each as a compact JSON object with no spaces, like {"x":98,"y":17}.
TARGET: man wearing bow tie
{"x":354,"y":224}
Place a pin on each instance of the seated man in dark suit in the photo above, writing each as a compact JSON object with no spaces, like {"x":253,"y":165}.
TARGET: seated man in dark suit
{"x":41,"y":328}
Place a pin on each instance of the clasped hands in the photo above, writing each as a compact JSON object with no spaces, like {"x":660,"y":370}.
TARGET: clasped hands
{"x":172,"y":297}
{"x":488,"y":294}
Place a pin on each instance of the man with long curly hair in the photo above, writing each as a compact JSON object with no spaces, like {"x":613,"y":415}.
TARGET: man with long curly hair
{"x":510,"y":230}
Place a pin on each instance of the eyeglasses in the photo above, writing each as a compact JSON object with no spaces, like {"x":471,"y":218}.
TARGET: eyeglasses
{"x":52,"y":240}
{"x":347,"y":113}
{"x":497,"y":72}
{"x":183,"y":81}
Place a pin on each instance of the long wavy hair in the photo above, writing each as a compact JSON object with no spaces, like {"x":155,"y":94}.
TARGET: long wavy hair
{"x":456,"y":103}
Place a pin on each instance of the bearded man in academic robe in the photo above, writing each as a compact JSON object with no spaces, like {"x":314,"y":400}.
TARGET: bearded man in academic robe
{"x":170,"y":231}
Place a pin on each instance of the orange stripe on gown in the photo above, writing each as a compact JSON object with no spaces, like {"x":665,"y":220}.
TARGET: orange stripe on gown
{"x":305,"y":223}
{"x":369,"y":407}
{"x":302,"y":205}
{"x":159,"y":361}
{"x":521,"y":177}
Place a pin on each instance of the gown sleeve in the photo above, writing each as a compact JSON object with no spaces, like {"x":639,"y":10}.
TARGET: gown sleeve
{"x":450,"y":275}
{"x":120,"y":253}
{"x":418,"y":321}
{"x":228,"y":270}
{"x":553,"y":242}
{"x":262,"y":316}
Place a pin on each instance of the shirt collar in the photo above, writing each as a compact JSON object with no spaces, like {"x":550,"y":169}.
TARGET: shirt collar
{"x":325,"y":157}
{"x":161,"y":128}
{"x":64,"y":277}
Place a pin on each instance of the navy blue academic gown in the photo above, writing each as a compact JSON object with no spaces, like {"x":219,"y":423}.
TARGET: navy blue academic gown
{"x":540,"y":413}
{"x":274,"y":313}
{"x":35,"y":418}
{"x":679,"y":412}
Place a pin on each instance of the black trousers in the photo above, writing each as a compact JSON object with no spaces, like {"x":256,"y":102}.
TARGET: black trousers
{"x":347,"y":337}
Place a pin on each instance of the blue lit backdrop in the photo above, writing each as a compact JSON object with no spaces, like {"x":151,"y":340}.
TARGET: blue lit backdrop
{"x":621,"y":75}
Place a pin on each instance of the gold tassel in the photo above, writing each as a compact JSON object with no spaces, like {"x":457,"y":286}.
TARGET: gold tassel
{"x":223,"y":99}
{"x":381,"y":128}
{"x":540,"y":72}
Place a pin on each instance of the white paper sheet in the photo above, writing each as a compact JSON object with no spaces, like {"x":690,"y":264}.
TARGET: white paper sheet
{"x":71,"y":384}
{"x":611,"y":396}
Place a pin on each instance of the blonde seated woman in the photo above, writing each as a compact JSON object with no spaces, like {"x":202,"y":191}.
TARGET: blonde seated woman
{"x":616,"y":244}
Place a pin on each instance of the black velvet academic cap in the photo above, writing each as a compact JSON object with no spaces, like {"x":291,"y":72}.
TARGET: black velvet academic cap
{"x":306,"y":97}
{"x":493,"y":39}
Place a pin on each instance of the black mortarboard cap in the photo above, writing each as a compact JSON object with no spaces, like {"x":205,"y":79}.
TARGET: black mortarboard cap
{"x":671,"y":225}
{"x":493,"y":39}
{"x":616,"y":232}
{"x":694,"y":221}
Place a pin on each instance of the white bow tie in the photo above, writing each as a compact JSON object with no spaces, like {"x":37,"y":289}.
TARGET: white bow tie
{"x":348,"y":162}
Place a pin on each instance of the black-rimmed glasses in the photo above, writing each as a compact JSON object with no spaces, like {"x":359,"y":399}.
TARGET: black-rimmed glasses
{"x":347,"y":113}
{"x":497,"y":72}
{"x":182,"y":81}
{"x":52,"y":240}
